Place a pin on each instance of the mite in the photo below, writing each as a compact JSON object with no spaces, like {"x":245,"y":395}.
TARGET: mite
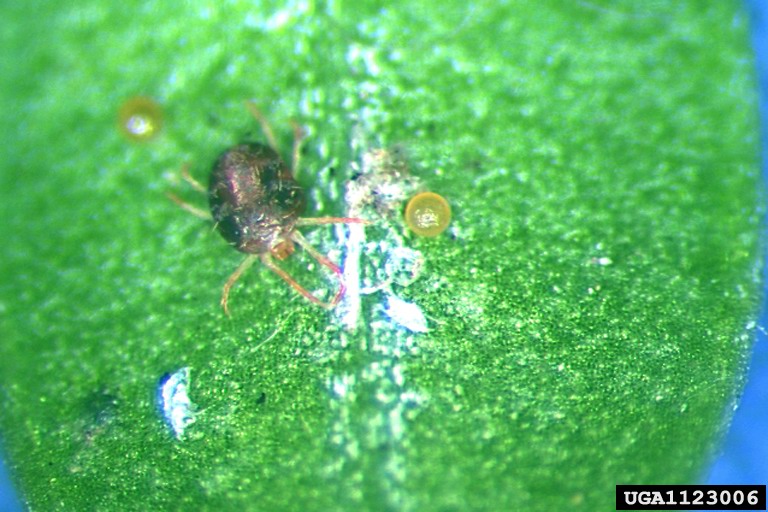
{"x":256,"y":205}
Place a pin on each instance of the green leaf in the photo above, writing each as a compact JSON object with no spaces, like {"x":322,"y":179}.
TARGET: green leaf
{"x":589,"y":310}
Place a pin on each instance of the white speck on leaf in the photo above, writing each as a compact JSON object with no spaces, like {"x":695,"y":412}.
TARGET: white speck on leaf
{"x":178,"y":410}
{"x":406,"y":314}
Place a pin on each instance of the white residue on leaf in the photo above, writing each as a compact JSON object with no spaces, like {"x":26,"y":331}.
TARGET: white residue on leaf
{"x":404,"y":265}
{"x":377,"y":265}
{"x":401,"y":266}
{"x":348,"y":310}
{"x":365,"y":57}
{"x":404,"y":314}
{"x":173,"y":398}
{"x":279,"y":19}
{"x":381,"y":184}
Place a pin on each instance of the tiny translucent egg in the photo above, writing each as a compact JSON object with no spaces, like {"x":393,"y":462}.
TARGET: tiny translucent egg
{"x":427,"y":214}
{"x":140,"y":119}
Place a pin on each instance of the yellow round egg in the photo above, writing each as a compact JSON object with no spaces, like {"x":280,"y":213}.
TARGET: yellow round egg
{"x":140,"y":119}
{"x":427,"y":214}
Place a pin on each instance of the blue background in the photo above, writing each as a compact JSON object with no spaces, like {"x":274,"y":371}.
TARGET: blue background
{"x":744,"y":458}
{"x":745,"y":454}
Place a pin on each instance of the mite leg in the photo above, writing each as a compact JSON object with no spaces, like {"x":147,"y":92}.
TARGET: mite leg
{"x":265,"y":127}
{"x":310,"y":221}
{"x":298,"y":134}
{"x":192,"y":181}
{"x":194,"y":210}
{"x":298,"y":137}
{"x":299,"y":239}
{"x":268,"y":262}
{"x":245,"y":265}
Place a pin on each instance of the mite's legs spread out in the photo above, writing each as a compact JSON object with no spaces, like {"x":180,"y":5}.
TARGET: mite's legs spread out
{"x":192,"y":181}
{"x":245,"y":265}
{"x":290,"y":234}
{"x":266,"y":258}
{"x":298,"y":135}
{"x":269,"y":262}
{"x":265,"y":127}
{"x":299,"y":239}
{"x":194,"y":210}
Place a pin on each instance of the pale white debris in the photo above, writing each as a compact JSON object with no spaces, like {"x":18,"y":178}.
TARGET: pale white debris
{"x":349,"y":309}
{"x":178,"y":410}
{"x":406,"y":314}
{"x":404,"y":265}
{"x":603,"y":261}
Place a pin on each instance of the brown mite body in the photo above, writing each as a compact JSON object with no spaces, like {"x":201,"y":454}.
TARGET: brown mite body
{"x":256,"y":202}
